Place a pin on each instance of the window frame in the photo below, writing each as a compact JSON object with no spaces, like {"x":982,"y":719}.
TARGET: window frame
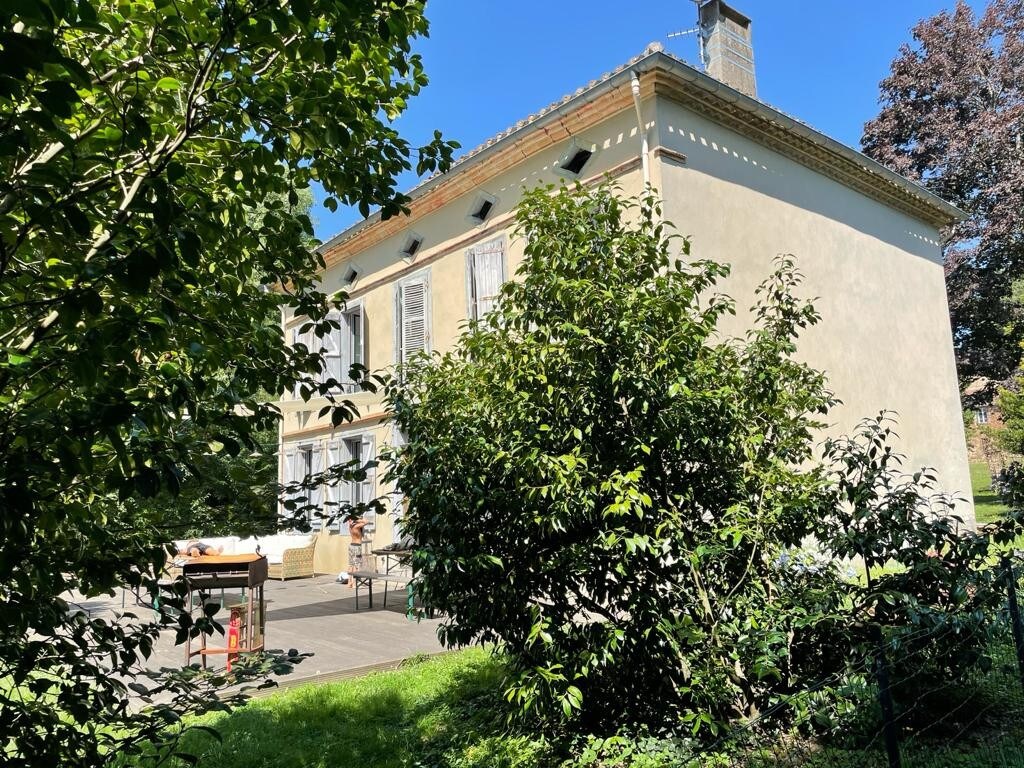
{"x":479,"y":200}
{"x":344,"y":346}
{"x":314,"y":449}
{"x":338,"y":448}
{"x":413,"y":242}
{"x":472,"y":297}
{"x":398,"y":319}
{"x":574,"y":148}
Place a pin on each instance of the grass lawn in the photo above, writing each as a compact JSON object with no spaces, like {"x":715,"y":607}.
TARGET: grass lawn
{"x":447,"y":713}
{"x":987,"y":505}
{"x":438,"y":712}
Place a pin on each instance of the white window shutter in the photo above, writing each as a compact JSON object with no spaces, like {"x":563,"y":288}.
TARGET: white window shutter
{"x":331,"y":349}
{"x":331,"y":490}
{"x":316,"y":493}
{"x":288,"y":470}
{"x":369,"y":489}
{"x":413,"y":318}
{"x":296,"y":337}
{"x":485,"y":273}
{"x":358,"y":336}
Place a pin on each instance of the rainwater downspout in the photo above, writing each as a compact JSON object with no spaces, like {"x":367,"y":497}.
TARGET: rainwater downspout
{"x":642,"y":130}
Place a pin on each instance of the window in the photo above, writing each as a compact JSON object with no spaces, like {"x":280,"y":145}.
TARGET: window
{"x":572,"y":162}
{"x":485,"y":272}
{"x":981,"y":415}
{"x":411,"y":247}
{"x":346,"y":347}
{"x":300,"y":462}
{"x":575,"y":162}
{"x":341,"y":348}
{"x":482,"y":207}
{"x":299,"y":334}
{"x":353,"y":452}
{"x":412,"y":317}
{"x":350,"y":276}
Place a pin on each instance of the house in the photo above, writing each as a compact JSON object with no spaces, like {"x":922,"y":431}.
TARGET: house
{"x":983,"y":421}
{"x":746,"y":181}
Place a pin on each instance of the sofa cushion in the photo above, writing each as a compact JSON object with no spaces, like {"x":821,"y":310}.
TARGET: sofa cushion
{"x":272,"y":547}
{"x":298,"y":540}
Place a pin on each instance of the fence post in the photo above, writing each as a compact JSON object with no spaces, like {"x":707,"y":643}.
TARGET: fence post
{"x":1015,"y":622}
{"x":892,"y":743}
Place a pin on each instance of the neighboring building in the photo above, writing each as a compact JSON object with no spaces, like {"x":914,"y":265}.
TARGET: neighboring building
{"x":744,"y":180}
{"x":983,"y":419}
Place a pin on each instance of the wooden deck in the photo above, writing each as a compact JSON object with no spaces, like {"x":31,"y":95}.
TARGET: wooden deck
{"x":315,"y":616}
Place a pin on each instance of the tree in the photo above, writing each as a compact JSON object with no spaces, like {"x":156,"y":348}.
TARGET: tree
{"x":136,"y":140}
{"x":229,"y":494}
{"x":602,"y":486}
{"x":621,"y":500}
{"x":952,"y":118}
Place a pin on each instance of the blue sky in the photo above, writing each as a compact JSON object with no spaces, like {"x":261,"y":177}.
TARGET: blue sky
{"x":492,"y":62}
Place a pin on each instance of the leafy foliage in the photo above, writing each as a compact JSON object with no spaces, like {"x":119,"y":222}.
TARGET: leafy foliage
{"x":950,"y":119}
{"x":623,"y":501}
{"x":931,"y":586}
{"x":601,"y":485}
{"x":136,"y":142}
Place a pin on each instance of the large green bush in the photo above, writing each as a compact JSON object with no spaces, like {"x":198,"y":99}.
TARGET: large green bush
{"x":632,"y":506}
{"x":602,"y":484}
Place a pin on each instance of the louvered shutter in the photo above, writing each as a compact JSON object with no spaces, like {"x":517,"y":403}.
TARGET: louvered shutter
{"x":332,"y":491}
{"x":352,"y":345}
{"x":368,"y":491}
{"x":413,"y":318}
{"x":357,"y":321}
{"x":486,"y":272}
{"x":331,"y":348}
{"x":316,"y":466}
{"x":296,"y":337}
{"x":288,"y":473}
{"x":395,"y":500}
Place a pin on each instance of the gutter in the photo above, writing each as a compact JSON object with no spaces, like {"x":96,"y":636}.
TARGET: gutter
{"x":741,"y":100}
{"x":641,"y":128}
{"x":653,"y":57}
{"x":581,"y":98}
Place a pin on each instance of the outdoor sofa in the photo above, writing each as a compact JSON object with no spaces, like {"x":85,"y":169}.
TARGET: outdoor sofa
{"x":289,"y":555}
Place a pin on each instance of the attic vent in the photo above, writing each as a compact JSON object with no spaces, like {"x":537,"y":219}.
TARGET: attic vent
{"x":573,"y":162}
{"x":412,"y":246}
{"x":350,"y":276}
{"x":482,"y":207}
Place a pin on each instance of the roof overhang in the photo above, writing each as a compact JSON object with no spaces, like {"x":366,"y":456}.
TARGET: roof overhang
{"x":667,"y":77}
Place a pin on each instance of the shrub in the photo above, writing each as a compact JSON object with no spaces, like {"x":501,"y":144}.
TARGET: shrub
{"x":932,"y":588}
{"x":601,"y":485}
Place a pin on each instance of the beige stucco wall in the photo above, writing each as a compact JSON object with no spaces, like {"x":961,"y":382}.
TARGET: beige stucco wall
{"x":447,"y":234}
{"x":876,"y":276}
{"x":884,"y":339}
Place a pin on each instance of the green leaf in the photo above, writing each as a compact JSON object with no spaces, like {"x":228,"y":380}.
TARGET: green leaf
{"x":167,"y":84}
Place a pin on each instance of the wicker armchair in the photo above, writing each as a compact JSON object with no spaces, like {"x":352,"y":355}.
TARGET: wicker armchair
{"x":295,"y":563}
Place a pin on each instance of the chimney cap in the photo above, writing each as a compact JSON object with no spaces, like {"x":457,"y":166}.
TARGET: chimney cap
{"x":727,"y":10}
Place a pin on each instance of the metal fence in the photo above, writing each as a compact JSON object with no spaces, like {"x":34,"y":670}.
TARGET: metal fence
{"x":910,"y":718}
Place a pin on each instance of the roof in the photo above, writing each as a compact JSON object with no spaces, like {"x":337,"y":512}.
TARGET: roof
{"x":713,"y":93}
{"x":980,"y":385}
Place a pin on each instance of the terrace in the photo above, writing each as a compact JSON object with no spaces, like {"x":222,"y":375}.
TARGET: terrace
{"x":315,"y":615}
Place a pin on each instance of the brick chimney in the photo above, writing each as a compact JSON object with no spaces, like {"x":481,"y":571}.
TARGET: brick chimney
{"x":727,"y":48}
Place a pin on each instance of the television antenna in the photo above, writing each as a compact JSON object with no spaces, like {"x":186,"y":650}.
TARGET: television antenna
{"x":697,"y":30}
